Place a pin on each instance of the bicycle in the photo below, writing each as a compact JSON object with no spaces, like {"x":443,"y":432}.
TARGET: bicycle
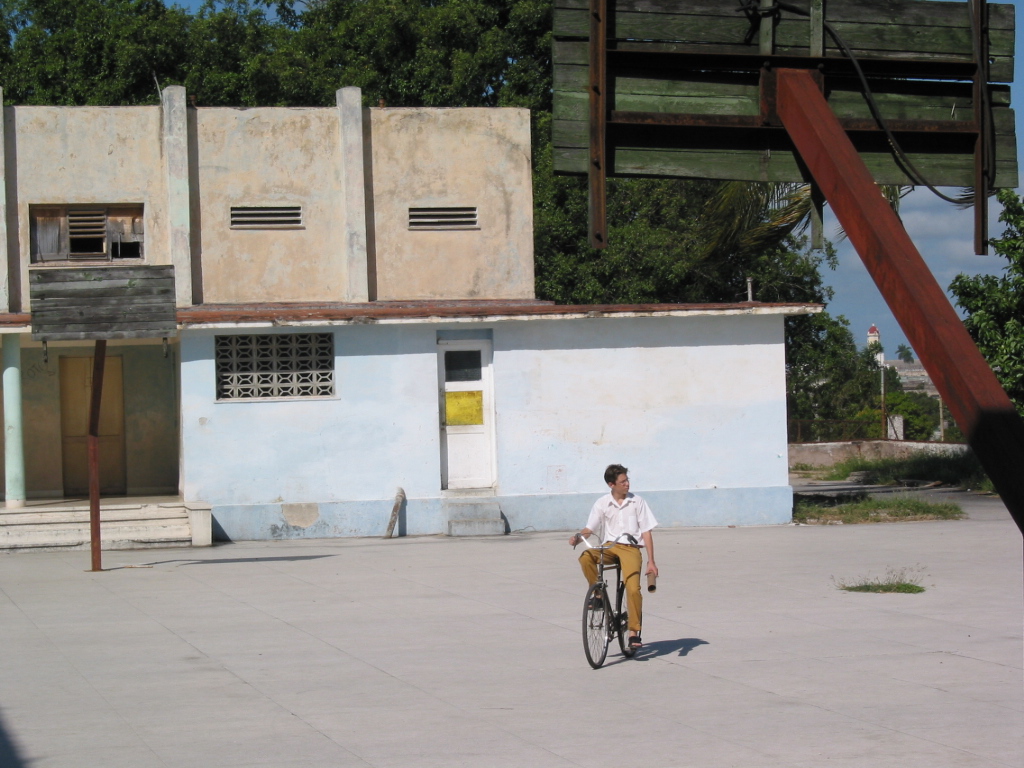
{"x":599,"y":625}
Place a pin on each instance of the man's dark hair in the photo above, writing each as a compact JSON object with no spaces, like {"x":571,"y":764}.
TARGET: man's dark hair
{"x":612,"y":473}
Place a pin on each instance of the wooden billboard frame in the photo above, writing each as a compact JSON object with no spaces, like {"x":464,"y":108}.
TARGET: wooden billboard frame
{"x":611,"y":54}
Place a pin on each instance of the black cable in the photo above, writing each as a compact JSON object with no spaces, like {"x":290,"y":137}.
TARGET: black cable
{"x":905,"y":163}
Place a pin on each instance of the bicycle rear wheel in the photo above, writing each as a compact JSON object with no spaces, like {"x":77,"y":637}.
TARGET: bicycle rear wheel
{"x":622,"y":617}
{"x":595,"y":625}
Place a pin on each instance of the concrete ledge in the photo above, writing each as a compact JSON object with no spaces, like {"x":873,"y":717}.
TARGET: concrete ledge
{"x":830,"y":454}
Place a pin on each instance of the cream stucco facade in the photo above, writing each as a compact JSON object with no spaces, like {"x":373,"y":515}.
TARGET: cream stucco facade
{"x":348,"y":176}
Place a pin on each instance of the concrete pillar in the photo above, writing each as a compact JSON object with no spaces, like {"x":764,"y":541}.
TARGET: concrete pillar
{"x":350,"y":114}
{"x":175,"y":144}
{"x":14,"y":447}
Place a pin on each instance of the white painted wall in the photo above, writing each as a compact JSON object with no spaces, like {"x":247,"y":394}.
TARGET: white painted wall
{"x":685,"y":403}
{"x":379,"y":432}
{"x":693,"y":405}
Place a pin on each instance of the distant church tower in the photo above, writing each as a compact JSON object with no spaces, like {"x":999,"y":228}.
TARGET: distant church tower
{"x":875,"y":336}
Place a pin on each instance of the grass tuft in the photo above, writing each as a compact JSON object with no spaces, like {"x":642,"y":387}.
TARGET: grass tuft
{"x":891,"y":509}
{"x":905,"y":581}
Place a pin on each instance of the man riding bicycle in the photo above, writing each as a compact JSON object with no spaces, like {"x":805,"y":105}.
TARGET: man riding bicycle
{"x":625,"y":523}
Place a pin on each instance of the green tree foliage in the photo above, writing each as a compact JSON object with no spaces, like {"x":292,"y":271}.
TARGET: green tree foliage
{"x":74,"y":52}
{"x":919,"y":411}
{"x":994,"y":305}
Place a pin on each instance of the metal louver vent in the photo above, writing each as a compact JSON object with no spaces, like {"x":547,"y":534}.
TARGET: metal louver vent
{"x":443,"y":218}
{"x":87,"y":232}
{"x":283,"y":217}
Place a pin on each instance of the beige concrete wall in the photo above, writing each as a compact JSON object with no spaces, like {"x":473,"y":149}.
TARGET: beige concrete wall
{"x":270,"y":157}
{"x":80,"y":155}
{"x":830,"y":454}
{"x":445,"y":158}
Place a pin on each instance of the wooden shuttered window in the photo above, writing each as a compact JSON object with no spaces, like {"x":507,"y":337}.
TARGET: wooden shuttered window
{"x":80,"y":233}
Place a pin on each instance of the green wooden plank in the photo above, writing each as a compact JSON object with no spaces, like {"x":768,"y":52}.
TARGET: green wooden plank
{"x":155,"y":328}
{"x":71,"y":274}
{"x":781,"y":165}
{"x":94,"y":335}
{"x":125,"y":286}
{"x":114,"y":294}
{"x":105,"y":322}
{"x":111,"y":299}
{"x":905,"y":12}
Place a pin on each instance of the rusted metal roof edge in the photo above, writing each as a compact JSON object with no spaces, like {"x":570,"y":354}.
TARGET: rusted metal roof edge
{"x":361,"y":315}
{"x":271,"y":315}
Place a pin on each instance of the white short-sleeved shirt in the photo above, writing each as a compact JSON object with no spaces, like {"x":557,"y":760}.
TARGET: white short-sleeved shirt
{"x":612,"y":522}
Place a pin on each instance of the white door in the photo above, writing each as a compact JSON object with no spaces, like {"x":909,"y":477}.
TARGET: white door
{"x":467,"y":414}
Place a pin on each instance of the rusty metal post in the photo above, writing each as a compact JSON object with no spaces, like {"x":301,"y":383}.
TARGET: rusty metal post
{"x":983,"y":173}
{"x":98,"y":363}
{"x":969,"y":388}
{"x":597,"y":170}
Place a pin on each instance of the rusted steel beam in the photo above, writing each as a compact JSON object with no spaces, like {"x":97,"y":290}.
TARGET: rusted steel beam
{"x":725,"y":122}
{"x":98,"y":363}
{"x":597,"y":171}
{"x":967,"y":385}
{"x":982,"y":171}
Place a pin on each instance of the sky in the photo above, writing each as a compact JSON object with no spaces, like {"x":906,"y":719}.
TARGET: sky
{"x":942,"y":233}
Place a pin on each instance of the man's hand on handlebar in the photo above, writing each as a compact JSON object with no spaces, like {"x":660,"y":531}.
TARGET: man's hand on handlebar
{"x":577,"y":537}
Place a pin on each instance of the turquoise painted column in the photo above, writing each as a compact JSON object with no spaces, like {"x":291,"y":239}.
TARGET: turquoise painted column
{"x":14,"y":447}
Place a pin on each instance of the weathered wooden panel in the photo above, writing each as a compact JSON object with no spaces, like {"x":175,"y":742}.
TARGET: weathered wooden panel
{"x":909,"y":28}
{"x":920,"y":34}
{"x":102,"y":302}
{"x":779,"y":164}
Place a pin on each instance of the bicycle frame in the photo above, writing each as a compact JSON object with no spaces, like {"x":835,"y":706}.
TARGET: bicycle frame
{"x":600,"y":626}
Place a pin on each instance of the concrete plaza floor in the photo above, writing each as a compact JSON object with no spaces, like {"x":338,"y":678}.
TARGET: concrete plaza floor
{"x":467,"y":652}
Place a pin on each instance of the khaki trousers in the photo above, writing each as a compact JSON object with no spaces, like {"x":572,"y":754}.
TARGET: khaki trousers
{"x":630,"y":560}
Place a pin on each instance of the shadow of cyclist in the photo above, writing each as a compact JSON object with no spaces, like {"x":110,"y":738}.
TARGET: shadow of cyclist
{"x":680,"y":647}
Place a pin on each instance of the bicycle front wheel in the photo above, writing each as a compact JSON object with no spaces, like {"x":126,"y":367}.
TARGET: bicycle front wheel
{"x":596,"y":616}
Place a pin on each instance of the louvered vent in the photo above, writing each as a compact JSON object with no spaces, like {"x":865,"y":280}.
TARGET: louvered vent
{"x":284,"y":217}
{"x":87,"y":233}
{"x":443,"y":218}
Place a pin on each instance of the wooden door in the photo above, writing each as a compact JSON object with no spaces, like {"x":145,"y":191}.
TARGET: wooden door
{"x":75,"y":397}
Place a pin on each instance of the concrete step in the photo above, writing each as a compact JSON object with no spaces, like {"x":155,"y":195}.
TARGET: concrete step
{"x":465,"y":509}
{"x":122,"y":526}
{"x":107,"y":514}
{"x":476,"y":527}
{"x":474,"y":517}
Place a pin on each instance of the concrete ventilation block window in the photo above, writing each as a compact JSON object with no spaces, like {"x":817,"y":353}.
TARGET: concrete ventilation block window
{"x":107,"y":233}
{"x":463,"y":217}
{"x":266,"y":217}
{"x":275,"y":366}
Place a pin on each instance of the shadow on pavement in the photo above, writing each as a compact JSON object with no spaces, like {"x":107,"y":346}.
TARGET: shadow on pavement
{"x":221,"y":561}
{"x":9,"y":757}
{"x":681,"y":647}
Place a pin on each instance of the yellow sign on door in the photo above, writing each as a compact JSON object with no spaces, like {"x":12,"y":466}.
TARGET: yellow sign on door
{"x":463,"y":409}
